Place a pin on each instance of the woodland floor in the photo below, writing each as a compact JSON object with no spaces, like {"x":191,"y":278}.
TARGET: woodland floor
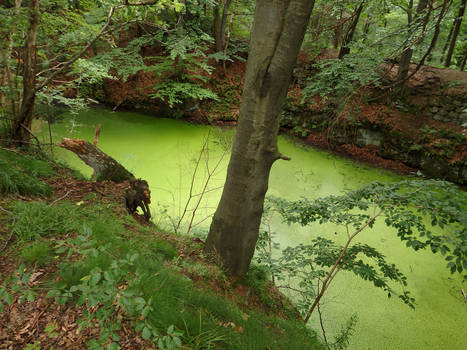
{"x":54,"y":326}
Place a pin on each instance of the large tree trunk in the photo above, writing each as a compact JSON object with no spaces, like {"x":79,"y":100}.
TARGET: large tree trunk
{"x":455,"y":33}
{"x":22,"y":125}
{"x":345,"y":49}
{"x":406,"y":56}
{"x":105,"y":167}
{"x":277,"y":34}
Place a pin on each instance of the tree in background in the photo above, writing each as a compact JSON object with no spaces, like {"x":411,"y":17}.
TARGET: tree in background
{"x":79,"y":54}
{"x":419,"y":21}
{"x":455,"y":32}
{"x":276,"y":37}
{"x":219,"y":23}
{"x":345,"y":49}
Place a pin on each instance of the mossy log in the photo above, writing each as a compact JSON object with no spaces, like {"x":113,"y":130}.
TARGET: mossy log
{"x":105,"y":167}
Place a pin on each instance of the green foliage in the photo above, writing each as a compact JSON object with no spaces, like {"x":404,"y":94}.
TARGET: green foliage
{"x":17,"y":283}
{"x":175,"y":93}
{"x":258,"y":279}
{"x":19,"y":174}
{"x":150,"y":294}
{"x":129,"y":277}
{"x":37,"y":253}
{"x":339,"y":78}
{"x":424,"y":214}
{"x":413,"y":208}
{"x":50,"y":104}
{"x":342,"y":340}
{"x":125,"y":61}
{"x":184,"y":68}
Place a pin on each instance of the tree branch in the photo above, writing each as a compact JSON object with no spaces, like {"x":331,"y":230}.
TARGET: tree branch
{"x":102,"y":32}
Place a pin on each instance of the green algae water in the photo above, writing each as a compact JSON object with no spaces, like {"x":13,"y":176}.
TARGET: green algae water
{"x":165,"y":153}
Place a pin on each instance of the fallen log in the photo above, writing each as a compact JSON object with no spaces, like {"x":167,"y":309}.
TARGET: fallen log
{"x":105,"y":167}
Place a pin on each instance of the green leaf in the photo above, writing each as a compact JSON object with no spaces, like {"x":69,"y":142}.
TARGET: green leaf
{"x":113,"y":346}
{"x":8,"y":299}
{"x":146,"y":334}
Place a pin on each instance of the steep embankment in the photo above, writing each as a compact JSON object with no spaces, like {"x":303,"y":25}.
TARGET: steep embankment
{"x":77,"y":271}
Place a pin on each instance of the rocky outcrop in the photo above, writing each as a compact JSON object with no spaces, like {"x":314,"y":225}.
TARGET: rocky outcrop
{"x":426,"y":128}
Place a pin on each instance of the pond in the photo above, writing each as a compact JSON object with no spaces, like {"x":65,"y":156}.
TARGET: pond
{"x":164,"y":152}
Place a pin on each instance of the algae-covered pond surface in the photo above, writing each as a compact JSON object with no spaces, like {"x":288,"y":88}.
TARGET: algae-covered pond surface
{"x":164,"y":151}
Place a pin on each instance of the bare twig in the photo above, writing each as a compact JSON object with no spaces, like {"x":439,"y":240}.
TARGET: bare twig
{"x":5,"y":210}
{"x":205,"y":187}
{"x":90,"y":43}
{"x":335,"y":268}
{"x":322,"y":325}
{"x":192,"y":183}
{"x":62,"y":197}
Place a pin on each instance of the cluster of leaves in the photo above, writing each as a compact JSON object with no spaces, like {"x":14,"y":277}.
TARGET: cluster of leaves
{"x":185,"y":66}
{"x":425,"y":214}
{"x":339,"y":78}
{"x":113,"y":287}
{"x":414,"y":208}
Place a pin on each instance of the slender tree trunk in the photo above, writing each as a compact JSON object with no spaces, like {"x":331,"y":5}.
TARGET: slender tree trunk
{"x":448,"y":40}
{"x":462,"y":66}
{"x":455,"y":33}
{"x":219,"y":25}
{"x":366,"y":31}
{"x":345,"y":49}
{"x":406,"y":56}
{"x":336,"y":39}
{"x":23,"y":121}
{"x":6,"y":54}
{"x":277,"y":34}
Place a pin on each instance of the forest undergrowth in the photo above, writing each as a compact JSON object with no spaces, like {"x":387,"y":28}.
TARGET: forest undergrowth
{"x":78,"y":271}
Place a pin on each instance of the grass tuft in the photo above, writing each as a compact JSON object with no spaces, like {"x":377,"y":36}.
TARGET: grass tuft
{"x":20,"y":174}
{"x":34,"y":220}
{"x":37,"y":253}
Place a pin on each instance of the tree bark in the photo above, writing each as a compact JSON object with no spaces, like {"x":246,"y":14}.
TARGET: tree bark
{"x":105,"y":167}
{"x":25,"y":114}
{"x":455,"y":33}
{"x":448,"y":40}
{"x":464,"y":60}
{"x":345,"y":49}
{"x":406,"y":56}
{"x":277,"y":34}
{"x":6,"y":74}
